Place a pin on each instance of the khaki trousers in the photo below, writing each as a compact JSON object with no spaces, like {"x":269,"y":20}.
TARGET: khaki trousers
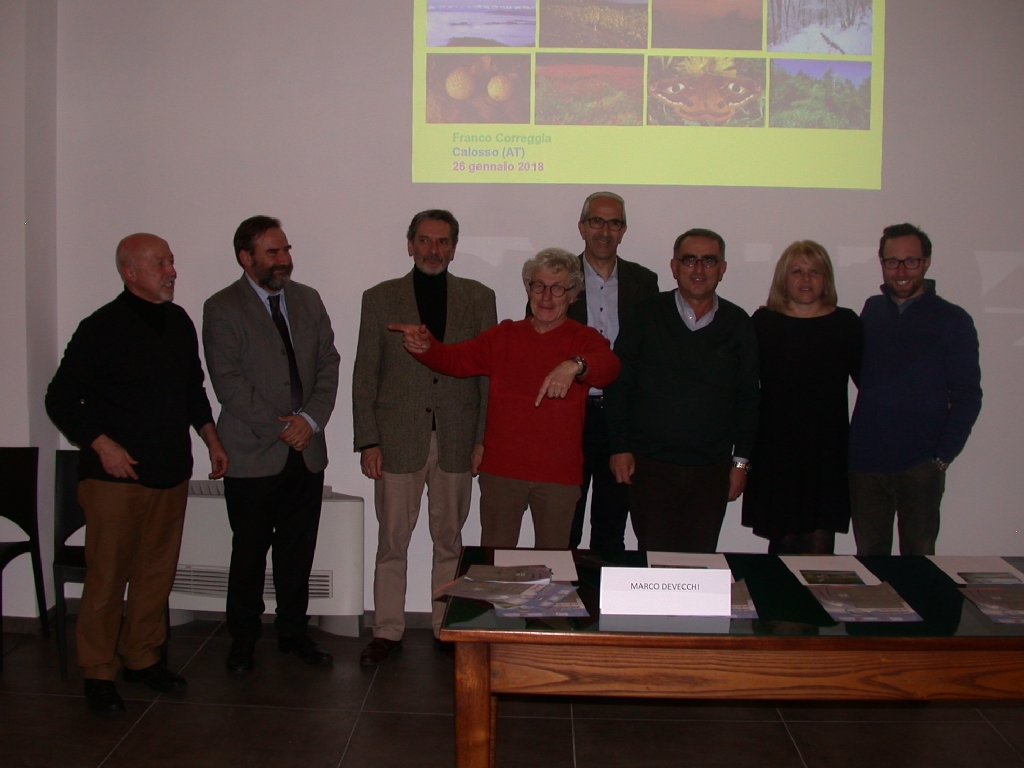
{"x":503,"y":500}
{"x":132,"y":536}
{"x":397,"y":501}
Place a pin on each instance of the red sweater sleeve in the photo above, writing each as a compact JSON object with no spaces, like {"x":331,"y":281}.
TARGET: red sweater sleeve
{"x":602,"y":364}
{"x":466,"y":358}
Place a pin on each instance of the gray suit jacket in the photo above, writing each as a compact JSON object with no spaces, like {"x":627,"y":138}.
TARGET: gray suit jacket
{"x":249,"y":371}
{"x":395,"y":398}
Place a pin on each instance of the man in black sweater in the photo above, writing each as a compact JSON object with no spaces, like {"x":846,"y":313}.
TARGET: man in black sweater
{"x":682,"y":416}
{"x":126,"y":392}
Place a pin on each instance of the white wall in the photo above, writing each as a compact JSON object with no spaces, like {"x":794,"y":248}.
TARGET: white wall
{"x":28,"y":211}
{"x":184,"y":118}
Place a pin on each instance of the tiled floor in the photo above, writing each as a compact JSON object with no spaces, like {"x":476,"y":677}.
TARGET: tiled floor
{"x":288,"y":714}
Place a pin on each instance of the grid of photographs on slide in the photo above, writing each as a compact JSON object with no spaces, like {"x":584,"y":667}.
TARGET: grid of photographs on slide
{"x":647,"y":70}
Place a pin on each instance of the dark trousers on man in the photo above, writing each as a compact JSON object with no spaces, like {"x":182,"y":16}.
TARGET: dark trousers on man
{"x":609,"y":508}
{"x":283,"y":512}
{"x":678,"y":508}
{"x":912,"y":497}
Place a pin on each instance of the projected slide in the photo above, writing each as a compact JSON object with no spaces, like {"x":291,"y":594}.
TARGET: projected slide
{"x":784,"y":93}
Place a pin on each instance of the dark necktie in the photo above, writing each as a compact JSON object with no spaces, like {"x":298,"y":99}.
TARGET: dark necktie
{"x":295,"y":383}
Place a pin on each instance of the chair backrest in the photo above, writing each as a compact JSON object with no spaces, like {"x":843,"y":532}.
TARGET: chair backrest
{"x":18,"y":478}
{"x":68,"y":516}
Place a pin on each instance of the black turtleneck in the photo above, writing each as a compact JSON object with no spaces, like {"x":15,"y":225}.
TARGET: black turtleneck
{"x":432,"y":300}
{"x":132,"y":372}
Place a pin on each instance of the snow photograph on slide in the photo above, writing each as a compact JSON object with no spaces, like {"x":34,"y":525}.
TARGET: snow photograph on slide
{"x":842,"y":27}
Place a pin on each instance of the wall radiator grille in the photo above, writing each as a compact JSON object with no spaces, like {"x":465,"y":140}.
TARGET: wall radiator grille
{"x":212,"y":581}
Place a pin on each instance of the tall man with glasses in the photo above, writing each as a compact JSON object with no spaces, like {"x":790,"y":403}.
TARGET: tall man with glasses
{"x":682,"y":416}
{"x":919,"y":396}
{"x":415,"y":428}
{"x":270,"y":351}
{"x":611,"y":287}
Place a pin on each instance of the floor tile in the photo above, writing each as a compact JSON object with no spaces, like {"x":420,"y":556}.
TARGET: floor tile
{"x":216,"y":736}
{"x":1003,"y":710}
{"x":676,"y":744}
{"x":402,"y":739}
{"x":48,"y":731}
{"x":903,"y":745}
{"x":535,"y":706}
{"x":1013,"y":732}
{"x":279,"y":680}
{"x":668,"y":709}
{"x":417,"y":679}
{"x":525,"y":742}
{"x":835,"y":711}
{"x":198,"y":628}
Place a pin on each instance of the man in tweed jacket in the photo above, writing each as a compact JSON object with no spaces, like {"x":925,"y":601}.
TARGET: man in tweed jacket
{"x":414,"y":427}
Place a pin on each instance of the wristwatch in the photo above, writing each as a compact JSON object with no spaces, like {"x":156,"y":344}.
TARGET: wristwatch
{"x":582,"y":363}
{"x":744,"y":465}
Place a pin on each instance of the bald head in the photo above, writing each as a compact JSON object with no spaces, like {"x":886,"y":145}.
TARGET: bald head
{"x":146,"y":265}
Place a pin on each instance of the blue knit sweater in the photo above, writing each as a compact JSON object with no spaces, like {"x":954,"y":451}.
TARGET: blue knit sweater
{"x":920,"y":383}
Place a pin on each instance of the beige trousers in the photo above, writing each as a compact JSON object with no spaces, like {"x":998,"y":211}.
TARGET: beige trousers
{"x":132,"y":536}
{"x":397,"y":501}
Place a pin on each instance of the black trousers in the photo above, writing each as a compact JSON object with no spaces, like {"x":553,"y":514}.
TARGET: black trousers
{"x":283,"y":512}
{"x":679,"y":508}
{"x":610,"y":507}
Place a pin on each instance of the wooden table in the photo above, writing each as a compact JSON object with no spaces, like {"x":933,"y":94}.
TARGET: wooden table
{"x":954,"y":654}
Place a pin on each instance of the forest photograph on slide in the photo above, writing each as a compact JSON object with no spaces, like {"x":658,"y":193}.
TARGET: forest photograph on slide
{"x":727,"y":24}
{"x":820,"y":94}
{"x":820,"y":26}
{"x":589,"y":89}
{"x":698,"y":90}
{"x":593,"y":23}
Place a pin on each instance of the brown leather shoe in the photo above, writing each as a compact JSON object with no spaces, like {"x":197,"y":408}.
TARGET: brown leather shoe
{"x":378,"y":651}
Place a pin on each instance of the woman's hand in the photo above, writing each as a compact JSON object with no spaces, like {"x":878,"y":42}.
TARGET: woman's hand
{"x":415,"y":338}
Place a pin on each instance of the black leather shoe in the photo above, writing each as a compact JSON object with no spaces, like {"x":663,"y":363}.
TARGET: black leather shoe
{"x":305,"y":649}
{"x":102,"y":698}
{"x":378,"y":651}
{"x":240,"y":659}
{"x":158,"y":677}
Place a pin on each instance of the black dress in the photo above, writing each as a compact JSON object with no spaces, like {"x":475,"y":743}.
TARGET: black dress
{"x":798,"y":475}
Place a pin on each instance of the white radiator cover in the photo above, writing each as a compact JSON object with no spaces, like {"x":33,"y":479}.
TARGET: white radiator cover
{"x":335,"y":585}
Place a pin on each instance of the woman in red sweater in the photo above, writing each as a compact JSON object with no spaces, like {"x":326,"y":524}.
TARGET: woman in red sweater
{"x":540,"y":370}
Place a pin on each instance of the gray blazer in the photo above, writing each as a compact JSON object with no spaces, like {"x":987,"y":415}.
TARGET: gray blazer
{"x":249,"y":371}
{"x":395,"y":398}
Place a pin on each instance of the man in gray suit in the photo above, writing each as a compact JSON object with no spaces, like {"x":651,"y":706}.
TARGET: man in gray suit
{"x":414,"y":427}
{"x":611,"y":287}
{"x":272,"y":362}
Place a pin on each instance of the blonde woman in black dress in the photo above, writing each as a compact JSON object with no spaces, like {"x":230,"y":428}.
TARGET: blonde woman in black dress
{"x":797,"y":494}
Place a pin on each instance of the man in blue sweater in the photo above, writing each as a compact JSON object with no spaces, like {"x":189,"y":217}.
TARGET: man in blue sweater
{"x":919,"y":396}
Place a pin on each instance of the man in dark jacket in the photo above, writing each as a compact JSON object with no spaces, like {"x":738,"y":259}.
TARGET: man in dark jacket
{"x":682,"y":416}
{"x":919,"y":396}
{"x":126,"y":392}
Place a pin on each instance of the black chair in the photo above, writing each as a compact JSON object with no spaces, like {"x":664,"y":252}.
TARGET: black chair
{"x":19,"y":469}
{"x":69,"y":560}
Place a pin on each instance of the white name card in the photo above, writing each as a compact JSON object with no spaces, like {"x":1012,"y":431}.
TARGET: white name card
{"x":666,"y":592}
